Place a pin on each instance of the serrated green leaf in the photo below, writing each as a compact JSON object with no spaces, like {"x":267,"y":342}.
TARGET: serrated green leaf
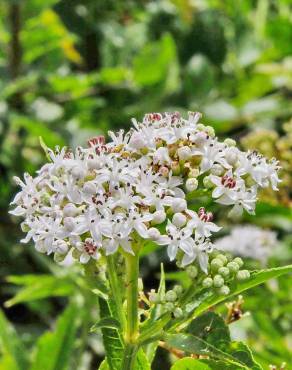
{"x":11,"y":346}
{"x":54,"y":349}
{"x":39,"y":287}
{"x":106,"y":322}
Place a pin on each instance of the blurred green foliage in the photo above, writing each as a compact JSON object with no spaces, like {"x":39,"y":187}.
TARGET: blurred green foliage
{"x":70,"y":69}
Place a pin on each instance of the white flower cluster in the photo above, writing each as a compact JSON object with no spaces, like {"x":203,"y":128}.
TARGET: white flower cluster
{"x":249,"y":241}
{"x":111,"y":195}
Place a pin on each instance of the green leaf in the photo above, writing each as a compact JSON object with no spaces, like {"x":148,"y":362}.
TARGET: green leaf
{"x":103,"y":365}
{"x":210,"y":327}
{"x":39,"y":287}
{"x":11,"y":346}
{"x":157,"y":62}
{"x":190,"y":364}
{"x":106,"y":322}
{"x":54,"y":349}
{"x":112,"y":340}
{"x":193,"y":344}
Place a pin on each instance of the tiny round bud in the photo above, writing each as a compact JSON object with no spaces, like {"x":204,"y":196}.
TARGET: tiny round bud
{"x":171,"y":296}
{"x":70,"y":210}
{"x":231,"y":155}
{"x":179,"y":219}
{"x":153,"y":233}
{"x":239,"y":261}
{"x":210,"y":131}
{"x":208,"y":183}
{"x":153,"y":296}
{"x":169,"y":306}
{"x":60,"y":246}
{"x":217,"y":170}
{"x":230,"y":142}
{"x":207,"y":282}
{"x":24,"y":227}
{"x":89,"y":188}
{"x":216,"y":263}
{"x":224,"y":271}
{"x":223,"y":258}
{"x":158,"y":217}
{"x":243,"y":275}
{"x":178,"y":313}
{"x":233,"y":267}
{"x":164,"y":171}
{"x":78,"y":172}
{"x":192,"y":271}
{"x":201,"y":127}
{"x":193,"y":172}
{"x":184,"y":153}
{"x":178,"y":289}
{"x":224,"y":290}
{"x":178,"y":205}
{"x":69,"y":223}
{"x":191,"y":184}
{"x":218,"y":281}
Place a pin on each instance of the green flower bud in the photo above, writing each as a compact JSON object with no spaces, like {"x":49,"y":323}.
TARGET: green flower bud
{"x":224,"y":290}
{"x":201,"y":127}
{"x":178,"y":313}
{"x":178,"y":289}
{"x":192,"y":271}
{"x":171,"y":296}
{"x":169,"y":306}
{"x":210,"y":131}
{"x":223,"y":258}
{"x":193,"y":172}
{"x":207,"y":282}
{"x":239,"y":261}
{"x":216,"y":263}
{"x":233,"y":266}
{"x":242,"y":275}
{"x":218,"y":281}
{"x":223,"y":271}
{"x":230,"y":142}
{"x":191,"y":184}
{"x":208,"y":183}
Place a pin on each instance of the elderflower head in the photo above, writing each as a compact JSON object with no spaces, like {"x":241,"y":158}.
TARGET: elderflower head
{"x":249,"y":241}
{"x":111,"y":196}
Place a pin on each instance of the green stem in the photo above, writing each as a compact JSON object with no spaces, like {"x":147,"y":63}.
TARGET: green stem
{"x":116,"y":289}
{"x":132,"y":327}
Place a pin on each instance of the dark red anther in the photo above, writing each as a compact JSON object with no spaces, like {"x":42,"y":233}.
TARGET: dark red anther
{"x":90,"y":247}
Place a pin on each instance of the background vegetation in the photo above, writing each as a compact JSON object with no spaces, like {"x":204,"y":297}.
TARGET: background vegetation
{"x":71,"y":69}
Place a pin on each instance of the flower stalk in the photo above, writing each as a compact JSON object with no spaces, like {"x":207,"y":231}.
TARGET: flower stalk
{"x":132,"y":327}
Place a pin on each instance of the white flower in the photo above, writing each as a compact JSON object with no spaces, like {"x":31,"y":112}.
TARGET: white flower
{"x":179,"y":239}
{"x":202,"y":224}
{"x":161,"y":156}
{"x":200,"y":252}
{"x":89,"y":249}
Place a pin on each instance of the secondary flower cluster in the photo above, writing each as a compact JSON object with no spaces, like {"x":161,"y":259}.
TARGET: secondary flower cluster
{"x":96,"y":200}
{"x":249,"y":241}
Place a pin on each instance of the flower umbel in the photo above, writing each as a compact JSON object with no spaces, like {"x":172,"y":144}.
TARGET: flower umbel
{"x":96,"y":200}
